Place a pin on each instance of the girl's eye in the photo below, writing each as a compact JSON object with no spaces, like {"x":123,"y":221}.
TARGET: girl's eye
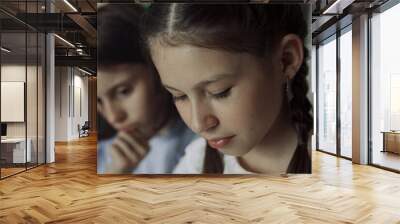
{"x":123,"y":91}
{"x":178,"y":98}
{"x":223,"y":94}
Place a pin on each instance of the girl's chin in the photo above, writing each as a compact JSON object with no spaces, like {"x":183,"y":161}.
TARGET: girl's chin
{"x":135,"y":132}
{"x":232,"y":151}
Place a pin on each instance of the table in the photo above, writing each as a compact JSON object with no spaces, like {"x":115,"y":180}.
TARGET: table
{"x":13,"y":150}
{"x":391,"y":141}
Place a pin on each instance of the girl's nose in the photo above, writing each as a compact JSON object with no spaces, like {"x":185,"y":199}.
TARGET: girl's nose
{"x":115,"y":114}
{"x":202,"y":120}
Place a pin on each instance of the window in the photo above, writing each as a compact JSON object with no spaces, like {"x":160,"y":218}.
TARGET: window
{"x":385,"y":88}
{"x":346,"y":93}
{"x":327,"y":96}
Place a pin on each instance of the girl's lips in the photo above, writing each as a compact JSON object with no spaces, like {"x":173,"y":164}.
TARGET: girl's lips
{"x":218,"y":143}
{"x":128,"y":129}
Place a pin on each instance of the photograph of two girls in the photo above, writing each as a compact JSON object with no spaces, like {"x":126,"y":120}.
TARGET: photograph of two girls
{"x":204,"y":89}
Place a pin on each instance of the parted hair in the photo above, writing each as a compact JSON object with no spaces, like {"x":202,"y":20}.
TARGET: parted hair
{"x":251,"y":28}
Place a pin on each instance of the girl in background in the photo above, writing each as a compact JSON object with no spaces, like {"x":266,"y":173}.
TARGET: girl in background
{"x":150,"y":136}
{"x":237,"y":74}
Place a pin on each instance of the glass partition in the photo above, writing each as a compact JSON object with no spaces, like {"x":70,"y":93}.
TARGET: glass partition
{"x":31,"y":100}
{"x":346,"y":93}
{"x":327,"y":96}
{"x":32,"y":86}
{"x":14,"y":151}
{"x":41,"y":91}
{"x":22,"y":77}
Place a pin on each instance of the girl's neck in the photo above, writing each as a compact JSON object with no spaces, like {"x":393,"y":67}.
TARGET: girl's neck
{"x":276,"y":150}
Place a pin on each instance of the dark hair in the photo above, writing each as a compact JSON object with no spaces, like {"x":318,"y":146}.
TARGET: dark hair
{"x":120,"y":42}
{"x":250,"y":28}
{"x":119,"y":39}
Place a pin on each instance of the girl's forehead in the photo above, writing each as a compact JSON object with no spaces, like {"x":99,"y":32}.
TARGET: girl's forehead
{"x":107,"y":81}
{"x":113,"y":77}
{"x":193,"y":57}
{"x":176,"y":63}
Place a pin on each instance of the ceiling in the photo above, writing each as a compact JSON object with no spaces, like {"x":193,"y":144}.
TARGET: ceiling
{"x":77,"y":24}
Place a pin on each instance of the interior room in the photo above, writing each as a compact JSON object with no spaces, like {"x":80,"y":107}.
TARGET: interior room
{"x":22,"y":102}
{"x":50,"y":127}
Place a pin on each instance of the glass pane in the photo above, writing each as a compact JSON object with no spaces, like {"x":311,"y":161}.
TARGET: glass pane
{"x":41,"y":99}
{"x":13,"y":86}
{"x":327,"y":97}
{"x":31,"y":84}
{"x":346,"y":94}
{"x":386,"y":89}
{"x":31,"y":101}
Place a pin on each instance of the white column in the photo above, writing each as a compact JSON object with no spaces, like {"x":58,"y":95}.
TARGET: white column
{"x":360,"y":90}
{"x":50,"y":93}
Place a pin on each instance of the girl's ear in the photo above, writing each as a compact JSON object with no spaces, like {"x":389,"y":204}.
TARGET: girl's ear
{"x":292,"y":55}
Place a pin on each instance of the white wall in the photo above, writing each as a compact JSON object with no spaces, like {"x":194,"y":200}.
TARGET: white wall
{"x":17,"y":73}
{"x":33,"y":126}
{"x":81,"y":100}
{"x":71,"y":94}
{"x":12,"y":101}
{"x":14,"y":72}
{"x":61,"y":103}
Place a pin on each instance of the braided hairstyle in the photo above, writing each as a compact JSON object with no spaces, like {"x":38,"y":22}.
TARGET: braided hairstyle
{"x":251,"y":28}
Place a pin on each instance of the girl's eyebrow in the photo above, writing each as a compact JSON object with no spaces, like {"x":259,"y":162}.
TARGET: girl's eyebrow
{"x":206,"y":82}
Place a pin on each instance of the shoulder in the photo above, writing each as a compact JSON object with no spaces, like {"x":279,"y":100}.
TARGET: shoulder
{"x":192,"y":161}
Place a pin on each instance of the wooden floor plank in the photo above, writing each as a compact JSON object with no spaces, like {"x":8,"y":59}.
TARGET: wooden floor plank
{"x":70,"y":191}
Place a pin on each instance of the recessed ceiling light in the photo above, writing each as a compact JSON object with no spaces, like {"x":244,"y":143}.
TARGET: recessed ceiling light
{"x":70,"y":5}
{"x":5,"y":50}
{"x":84,"y":71}
{"x":64,"y":40}
{"x":337,"y":7}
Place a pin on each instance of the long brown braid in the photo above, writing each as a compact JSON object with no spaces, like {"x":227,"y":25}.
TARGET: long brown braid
{"x":300,"y":108}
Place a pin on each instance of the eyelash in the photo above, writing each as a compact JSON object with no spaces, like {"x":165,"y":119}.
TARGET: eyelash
{"x":220,"y":95}
{"x":124,"y":91}
{"x":178,"y":98}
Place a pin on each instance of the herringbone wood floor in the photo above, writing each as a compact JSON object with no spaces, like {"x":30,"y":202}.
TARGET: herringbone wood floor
{"x":70,"y":191}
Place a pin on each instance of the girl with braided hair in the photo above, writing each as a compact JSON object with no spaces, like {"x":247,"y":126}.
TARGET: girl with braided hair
{"x":237,"y":74}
